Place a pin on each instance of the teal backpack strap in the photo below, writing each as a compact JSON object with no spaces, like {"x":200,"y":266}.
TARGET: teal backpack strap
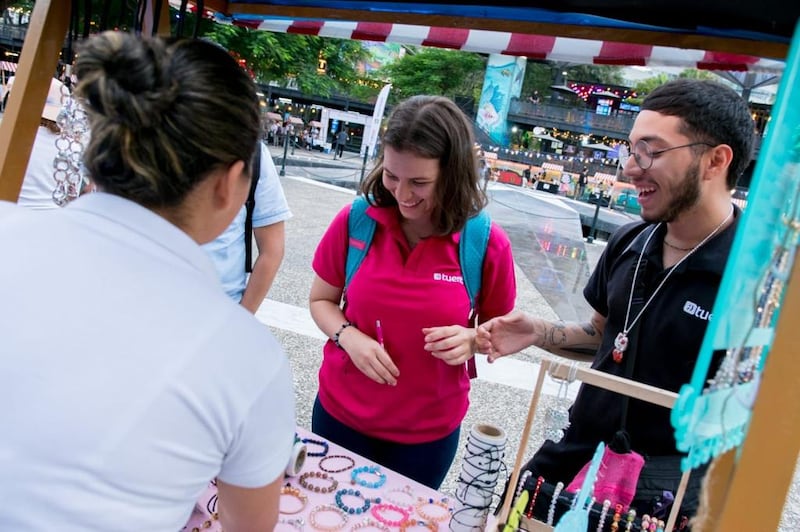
{"x":360,"y":230}
{"x":471,"y":252}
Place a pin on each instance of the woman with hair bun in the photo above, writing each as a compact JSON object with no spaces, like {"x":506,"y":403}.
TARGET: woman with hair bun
{"x":142,"y":381}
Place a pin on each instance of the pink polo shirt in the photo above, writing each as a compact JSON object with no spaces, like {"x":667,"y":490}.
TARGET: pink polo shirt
{"x":407,"y":290}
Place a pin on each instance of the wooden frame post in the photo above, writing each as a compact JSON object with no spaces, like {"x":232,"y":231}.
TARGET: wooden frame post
{"x":163,"y":29}
{"x":37,"y":65}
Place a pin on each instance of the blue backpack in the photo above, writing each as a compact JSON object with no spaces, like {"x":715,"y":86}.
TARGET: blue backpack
{"x":471,"y":251}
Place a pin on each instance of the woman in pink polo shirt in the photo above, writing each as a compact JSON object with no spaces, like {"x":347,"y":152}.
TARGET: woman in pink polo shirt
{"x":397,"y":393}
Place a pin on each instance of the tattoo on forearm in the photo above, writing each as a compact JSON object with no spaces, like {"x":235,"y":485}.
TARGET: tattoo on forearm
{"x":557,"y":335}
{"x":589,"y":329}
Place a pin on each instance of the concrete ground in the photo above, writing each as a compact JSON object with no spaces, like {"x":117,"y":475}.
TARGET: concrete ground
{"x":552,"y":262}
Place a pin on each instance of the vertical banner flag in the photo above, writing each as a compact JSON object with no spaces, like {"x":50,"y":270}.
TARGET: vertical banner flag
{"x":501,"y":83}
{"x":377,"y":116}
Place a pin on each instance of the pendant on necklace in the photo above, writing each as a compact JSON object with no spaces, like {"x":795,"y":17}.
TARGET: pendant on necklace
{"x":620,"y":345}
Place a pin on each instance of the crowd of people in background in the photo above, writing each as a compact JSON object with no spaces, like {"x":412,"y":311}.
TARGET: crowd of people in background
{"x":276,"y":133}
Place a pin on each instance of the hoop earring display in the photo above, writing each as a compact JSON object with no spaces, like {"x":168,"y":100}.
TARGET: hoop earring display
{"x":68,"y":171}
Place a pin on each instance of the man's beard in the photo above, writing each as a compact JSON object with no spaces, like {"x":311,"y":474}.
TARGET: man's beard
{"x":685,"y":196}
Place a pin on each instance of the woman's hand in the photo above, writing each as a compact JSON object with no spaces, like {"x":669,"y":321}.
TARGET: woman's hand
{"x":453,"y":344}
{"x":509,"y":334}
{"x":369,"y":356}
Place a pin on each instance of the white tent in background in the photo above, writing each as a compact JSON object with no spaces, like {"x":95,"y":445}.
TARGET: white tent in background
{"x":544,"y":136}
{"x":598,"y":146}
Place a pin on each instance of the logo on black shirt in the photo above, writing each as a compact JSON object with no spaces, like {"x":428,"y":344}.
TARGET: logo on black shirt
{"x":693,"y":309}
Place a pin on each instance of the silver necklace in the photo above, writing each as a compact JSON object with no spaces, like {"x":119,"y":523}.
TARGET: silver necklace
{"x":621,"y":341}
{"x":676,"y":247}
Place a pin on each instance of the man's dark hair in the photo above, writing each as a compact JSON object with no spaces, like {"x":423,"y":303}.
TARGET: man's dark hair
{"x":712,"y":113}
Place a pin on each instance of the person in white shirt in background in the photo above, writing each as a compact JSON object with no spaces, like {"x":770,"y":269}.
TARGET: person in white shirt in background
{"x":227,"y":251}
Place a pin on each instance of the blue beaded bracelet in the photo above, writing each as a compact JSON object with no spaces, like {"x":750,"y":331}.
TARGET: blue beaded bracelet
{"x":369,"y":470}
{"x":351,"y":509}
{"x":323,"y":445}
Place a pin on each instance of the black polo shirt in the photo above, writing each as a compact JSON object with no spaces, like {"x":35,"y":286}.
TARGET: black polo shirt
{"x":670,"y":334}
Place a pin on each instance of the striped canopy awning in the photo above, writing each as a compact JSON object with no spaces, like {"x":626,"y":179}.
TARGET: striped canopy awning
{"x":542,"y":47}
{"x":8,"y":66}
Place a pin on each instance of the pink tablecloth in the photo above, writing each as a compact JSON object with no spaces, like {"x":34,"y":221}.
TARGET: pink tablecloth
{"x":426,"y":509}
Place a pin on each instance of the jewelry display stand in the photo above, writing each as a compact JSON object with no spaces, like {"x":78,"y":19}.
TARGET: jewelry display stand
{"x":633,"y":389}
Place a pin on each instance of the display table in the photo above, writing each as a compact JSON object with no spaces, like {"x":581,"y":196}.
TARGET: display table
{"x":323,"y":496}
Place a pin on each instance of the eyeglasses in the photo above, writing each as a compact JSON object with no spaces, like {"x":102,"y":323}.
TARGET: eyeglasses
{"x":644,"y":155}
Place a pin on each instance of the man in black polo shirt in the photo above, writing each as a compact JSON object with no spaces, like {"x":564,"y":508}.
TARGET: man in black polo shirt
{"x":690,"y":143}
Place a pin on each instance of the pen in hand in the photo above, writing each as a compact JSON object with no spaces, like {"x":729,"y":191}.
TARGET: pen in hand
{"x":379,"y":331}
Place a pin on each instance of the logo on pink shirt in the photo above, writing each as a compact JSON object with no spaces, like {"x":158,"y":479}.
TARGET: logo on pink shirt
{"x":448,"y":278}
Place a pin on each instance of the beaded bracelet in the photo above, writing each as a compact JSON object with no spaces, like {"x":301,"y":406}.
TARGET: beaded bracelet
{"x":297,"y":524}
{"x":368,"y":470}
{"x":322,"y":443}
{"x":211,"y":511}
{"x":532,"y":504}
{"x":551,"y":513}
{"x":405,"y":491}
{"x":603,"y":514}
{"x":303,"y":480}
{"x":334,"y":457}
{"x":521,"y":485}
{"x":352,"y":509}
{"x":631,"y":518}
{"x":378,"y":510}
{"x":344,"y":326}
{"x":617,"y":516}
{"x":327,"y":508}
{"x":433,"y":527}
{"x":291,"y":491}
{"x":422,"y":503}
{"x":206,"y":524}
{"x":370,"y":523}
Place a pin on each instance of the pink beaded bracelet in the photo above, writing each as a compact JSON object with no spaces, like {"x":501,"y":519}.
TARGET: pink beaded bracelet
{"x":379,"y":510}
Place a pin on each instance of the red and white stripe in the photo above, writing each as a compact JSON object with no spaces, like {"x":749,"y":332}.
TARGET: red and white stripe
{"x":522,"y":44}
{"x":8,"y":66}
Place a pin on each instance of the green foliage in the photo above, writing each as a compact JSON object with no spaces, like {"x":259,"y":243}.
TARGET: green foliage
{"x":436,"y":71}
{"x":285,"y":57}
{"x":693,"y":73}
{"x":539,"y":75}
{"x":646,"y":86}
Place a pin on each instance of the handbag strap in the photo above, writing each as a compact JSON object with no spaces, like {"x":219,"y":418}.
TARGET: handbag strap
{"x":250,"y":205}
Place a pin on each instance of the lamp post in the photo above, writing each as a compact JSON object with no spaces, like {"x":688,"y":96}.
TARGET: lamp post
{"x":593,"y":230}
{"x":285,"y":150}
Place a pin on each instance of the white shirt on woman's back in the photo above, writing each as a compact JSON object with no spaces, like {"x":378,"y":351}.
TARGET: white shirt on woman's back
{"x":129,"y":378}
